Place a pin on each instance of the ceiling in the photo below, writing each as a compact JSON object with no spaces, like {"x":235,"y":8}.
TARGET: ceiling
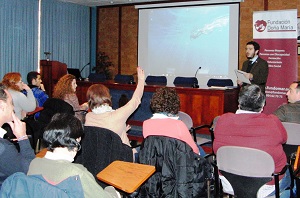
{"x":107,"y":2}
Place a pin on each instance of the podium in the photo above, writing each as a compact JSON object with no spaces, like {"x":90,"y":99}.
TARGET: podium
{"x":51,"y":72}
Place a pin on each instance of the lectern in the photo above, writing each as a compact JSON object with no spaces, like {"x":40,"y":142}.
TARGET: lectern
{"x":51,"y":72}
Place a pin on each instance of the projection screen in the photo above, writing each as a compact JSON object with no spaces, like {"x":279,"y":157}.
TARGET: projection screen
{"x":176,"y":41}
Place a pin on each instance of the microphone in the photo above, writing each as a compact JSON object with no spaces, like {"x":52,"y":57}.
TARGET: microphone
{"x":47,"y":54}
{"x":195,"y":85}
{"x":197,"y":71}
{"x":84,"y":67}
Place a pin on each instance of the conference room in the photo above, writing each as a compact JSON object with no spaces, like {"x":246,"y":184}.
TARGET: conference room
{"x":192,"y":39}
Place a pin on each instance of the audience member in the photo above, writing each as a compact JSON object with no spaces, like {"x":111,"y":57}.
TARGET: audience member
{"x":11,"y":160}
{"x":65,"y":89}
{"x":290,"y":112}
{"x":256,"y":68}
{"x":22,"y":103}
{"x":63,"y":135}
{"x":248,"y":127}
{"x":102,"y":115}
{"x":35,"y":83}
{"x":165,"y":104}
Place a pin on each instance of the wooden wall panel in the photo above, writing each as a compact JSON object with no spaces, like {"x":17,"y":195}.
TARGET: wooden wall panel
{"x":108,"y":34}
{"x":129,"y":36}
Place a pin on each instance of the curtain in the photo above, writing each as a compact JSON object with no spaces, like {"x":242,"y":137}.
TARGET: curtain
{"x":65,"y":32}
{"x":18,"y":36}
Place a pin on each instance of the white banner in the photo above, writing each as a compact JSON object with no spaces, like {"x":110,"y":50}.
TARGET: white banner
{"x":276,"y":32}
{"x":275,"y":24}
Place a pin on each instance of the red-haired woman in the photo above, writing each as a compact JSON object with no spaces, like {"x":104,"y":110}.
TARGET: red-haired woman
{"x":22,"y":103}
{"x":65,"y":89}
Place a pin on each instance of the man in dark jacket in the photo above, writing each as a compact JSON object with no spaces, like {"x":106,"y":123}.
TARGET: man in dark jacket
{"x":256,"y":68}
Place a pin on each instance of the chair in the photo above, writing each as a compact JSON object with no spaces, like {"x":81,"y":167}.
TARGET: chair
{"x":50,"y":108}
{"x":185,"y":82}
{"x":219,"y":82}
{"x":293,"y":138}
{"x":247,"y":169}
{"x":124,"y":79}
{"x":179,"y":171}
{"x":188,"y":121}
{"x":21,"y":185}
{"x":156,"y":80}
{"x":93,"y":77}
{"x":186,"y":118}
{"x":211,"y":132}
{"x":99,"y":148}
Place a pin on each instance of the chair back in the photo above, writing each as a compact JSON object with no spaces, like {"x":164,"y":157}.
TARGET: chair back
{"x":293,"y":133}
{"x":156,"y":80}
{"x":179,"y":171}
{"x":245,"y":161}
{"x":21,"y":185}
{"x":124,"y":79}
{"x":246,"y":169}
{"x":185,"y":81}
{"x":93,"y":77}
{"x":53,"y":106}
{"x":219,"y":82}
{"x":99,"y":148}
{"x":293,"y":139}
{"x":186,"y":119}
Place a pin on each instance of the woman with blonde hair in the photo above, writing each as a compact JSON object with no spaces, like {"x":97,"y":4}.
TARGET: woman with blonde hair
{"x":22,"y":103}
{"x":65,"y":89}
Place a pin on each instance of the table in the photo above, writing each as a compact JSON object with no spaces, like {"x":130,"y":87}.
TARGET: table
{"x":202,"y":104}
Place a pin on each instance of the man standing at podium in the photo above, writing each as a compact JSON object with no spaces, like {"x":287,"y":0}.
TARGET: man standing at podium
{"x":256,"y":68}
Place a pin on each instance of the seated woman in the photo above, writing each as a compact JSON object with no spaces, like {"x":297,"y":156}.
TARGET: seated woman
{"x":22,"y":103}
{"x":63,"y":135}
{"x":65,"y":89}
{"x":102,"y":115}
{"x":165,"y":104}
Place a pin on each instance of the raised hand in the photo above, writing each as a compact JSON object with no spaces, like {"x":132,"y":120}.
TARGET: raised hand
{"x":141,"y":73}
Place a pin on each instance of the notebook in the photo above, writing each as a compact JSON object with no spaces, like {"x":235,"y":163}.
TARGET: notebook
{"x":75,"y":72}
{"x":240,"y":76}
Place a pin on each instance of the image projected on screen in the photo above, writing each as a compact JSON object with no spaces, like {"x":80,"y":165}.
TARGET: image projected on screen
{"x":176,"y":41}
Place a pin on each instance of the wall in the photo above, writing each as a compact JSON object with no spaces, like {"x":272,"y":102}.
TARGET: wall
{"x":125,"y":59}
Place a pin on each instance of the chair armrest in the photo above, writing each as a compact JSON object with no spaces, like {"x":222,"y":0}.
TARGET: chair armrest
{"x":37,"y":109}
{"x":276,"y":177}
{"x":194,"y":129}
{"x":83,"y":111}
{"x":201,"y":126}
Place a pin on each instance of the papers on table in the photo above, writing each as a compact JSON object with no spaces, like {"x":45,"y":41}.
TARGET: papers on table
{"x":240,"y":76}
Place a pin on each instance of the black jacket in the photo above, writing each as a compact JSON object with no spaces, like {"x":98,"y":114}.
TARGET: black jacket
{"x":179,"y":171}
{"x":100,"y":147}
